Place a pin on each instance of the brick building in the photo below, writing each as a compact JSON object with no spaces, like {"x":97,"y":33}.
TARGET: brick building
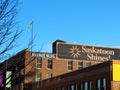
{"x":27,"y":66}
{"x":103,"y":76}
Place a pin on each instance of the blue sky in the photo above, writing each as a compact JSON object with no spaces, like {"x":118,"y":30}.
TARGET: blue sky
{"x":90,"y":22}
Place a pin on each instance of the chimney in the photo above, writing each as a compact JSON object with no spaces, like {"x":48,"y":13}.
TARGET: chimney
{"x":54,"y":45}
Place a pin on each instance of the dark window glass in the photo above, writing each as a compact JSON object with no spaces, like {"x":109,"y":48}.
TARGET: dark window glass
{"x":81,"y":86}
{"x":39,"y":62}
{"x":49,"y":75}
{"x":90,"y":85}
{"x":80,"y":64}
{"x":38,"y":76}
{"x":86,"y":86}
{"x":104,"y":83}
{"x":98,"y":84}
{"x":70,"y":65}
{"x":49,"y":64}
{"x":88,"y":64}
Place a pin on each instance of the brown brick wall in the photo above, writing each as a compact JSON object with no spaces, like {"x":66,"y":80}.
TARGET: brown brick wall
{"x":115,"y":85}
{"x":92,"y":73}
{"x":59,"y":67}
{"x":29,"y":68}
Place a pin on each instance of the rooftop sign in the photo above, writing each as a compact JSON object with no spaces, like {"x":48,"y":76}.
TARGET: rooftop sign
{"x":43,"y":55}
{"x":82,"y":52}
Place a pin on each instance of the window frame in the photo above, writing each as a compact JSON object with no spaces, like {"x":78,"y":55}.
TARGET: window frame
{"x":70,"y":65}
{"x":88,"y":64}
{"x":50,"y":75}
{"x":50,"y":63}
{"x":86,"y":85}
{"x":81,"y":86}
{"x":39,"y":62}
{"x":90,"y":85}
{"x":98,"y":84}
{"x":80,"y":65}
{"x":104,"y":83}
{"x":37,"y":79}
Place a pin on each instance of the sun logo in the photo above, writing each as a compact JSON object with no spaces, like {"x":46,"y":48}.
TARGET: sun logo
{"x":74,"y":51}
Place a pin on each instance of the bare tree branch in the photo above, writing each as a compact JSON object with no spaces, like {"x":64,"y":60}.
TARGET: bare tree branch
{"x":9,"y":32}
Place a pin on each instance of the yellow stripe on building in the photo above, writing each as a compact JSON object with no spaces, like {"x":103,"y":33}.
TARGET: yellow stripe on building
{"x":116,"y":72}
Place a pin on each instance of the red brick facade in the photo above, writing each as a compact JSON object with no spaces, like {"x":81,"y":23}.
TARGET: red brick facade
{"x":30,"y":67}
{"x":76,"y":80}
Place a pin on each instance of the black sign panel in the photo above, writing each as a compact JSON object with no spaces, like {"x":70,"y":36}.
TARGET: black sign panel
{"x":82,"y":52}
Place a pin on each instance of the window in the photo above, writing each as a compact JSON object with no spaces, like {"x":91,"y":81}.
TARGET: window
{"x":98,"y":84}
{"x":49,"y":64}
{"x":88,"y":64}
{"x":62,"y":88}
{"x":38,"y":76}
{"x":80,"y":64}
{"x":70,"y":65}
{"x":90,"y":85}
{"x":74,"y":87}
{"x":81,"y":86}
{"x":104,"y":83}
{"x":39,"y":62}
{"x":69,"y":87}
{"x":49,"y":75}
{"x":86,"y":86}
